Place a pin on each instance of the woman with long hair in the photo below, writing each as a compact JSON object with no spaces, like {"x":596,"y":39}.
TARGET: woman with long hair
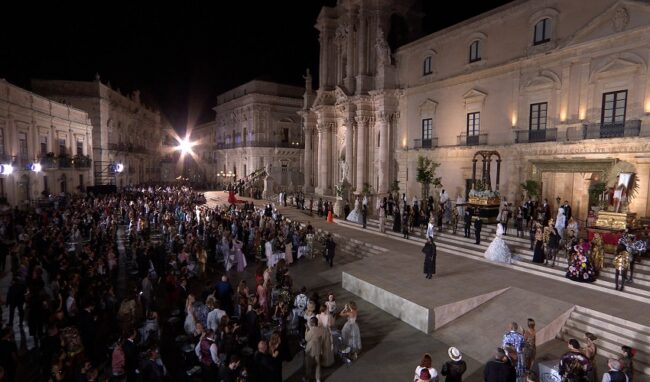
{"x":530,"y":347}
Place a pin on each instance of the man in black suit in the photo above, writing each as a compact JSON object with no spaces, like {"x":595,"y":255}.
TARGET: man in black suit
{"x":478,"y":224}
{"x":330,"y":250}
{"x":131,"y":356}
{"x":364,"y":215}
{"x":468,"y":222}
{"x":499,"y":369}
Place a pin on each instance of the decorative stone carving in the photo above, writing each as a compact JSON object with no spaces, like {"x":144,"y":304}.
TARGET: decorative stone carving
{"x":383,"y":50}
{"x":621,"y":19}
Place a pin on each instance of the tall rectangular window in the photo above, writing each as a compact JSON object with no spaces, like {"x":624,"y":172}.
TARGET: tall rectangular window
{"x":538,"y":116}
{"x":80,"y":146}
{"x":426,"y":66}
{"x":614,"y":108}
{"x":473,"y":124}
{"x":62,"y":150}
{"x":43,"y":145}
{"x":475,"y":51}
{"x":542,"y":32}
{"x":23,"y":150}
{"x":427,"y":131}
{"x":2,"y":142}
{"x":285,"y":135}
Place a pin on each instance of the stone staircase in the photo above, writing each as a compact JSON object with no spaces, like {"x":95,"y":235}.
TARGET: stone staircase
{"x":612,"y":333}
{"x":520,"y":247}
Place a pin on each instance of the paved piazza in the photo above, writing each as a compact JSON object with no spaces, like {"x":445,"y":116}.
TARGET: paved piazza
{"x":396,"y":345}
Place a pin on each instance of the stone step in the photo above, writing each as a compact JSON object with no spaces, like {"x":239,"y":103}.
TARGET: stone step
{"x":613,"y":331}
{"x":607,"y":348}
{"x":466,"y":247}
{"x":521,"y":245}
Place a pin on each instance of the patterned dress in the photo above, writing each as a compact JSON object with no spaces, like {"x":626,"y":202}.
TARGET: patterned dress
{"x":517,"y":341}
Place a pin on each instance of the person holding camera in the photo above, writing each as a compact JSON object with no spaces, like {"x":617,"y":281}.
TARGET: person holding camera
{"x":350,"y":332}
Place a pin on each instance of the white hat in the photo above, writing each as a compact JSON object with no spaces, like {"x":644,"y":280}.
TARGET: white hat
{"x":454,"y":354}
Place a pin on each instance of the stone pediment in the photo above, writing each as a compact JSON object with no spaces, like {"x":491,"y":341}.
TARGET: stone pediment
{"x":324,"y":98}
{"x":429,"y":106}
{"x":545,"y":79}
{"x":623,"y":64}
{"x":474,"y":96}
{"x":623,"y":15}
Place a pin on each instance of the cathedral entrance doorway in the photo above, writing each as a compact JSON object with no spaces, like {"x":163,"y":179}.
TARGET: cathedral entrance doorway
{"x":569,"y":179}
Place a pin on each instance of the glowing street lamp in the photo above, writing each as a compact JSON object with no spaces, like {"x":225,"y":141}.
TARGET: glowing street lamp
{"x":36,"y":167}
{"x":6,"y":169}
{"x":117,"y":167}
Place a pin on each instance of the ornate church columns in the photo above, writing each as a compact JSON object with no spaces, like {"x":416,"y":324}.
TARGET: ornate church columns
{"x":363,"y":121}
{"x":325,"y":158}
{"x":349,"y":146}
{"x":383,"y":119}
{"x":311,"y":149}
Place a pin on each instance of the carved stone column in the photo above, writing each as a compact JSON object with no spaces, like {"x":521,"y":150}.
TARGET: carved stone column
{"x":383,"y":120}
{"x":349,"y":63}
{"x":362,"y":150}
{"x":324,"y":149}
{"x":362,"y":42}
{"x":308,"y":159}
{"x":348,"y":149}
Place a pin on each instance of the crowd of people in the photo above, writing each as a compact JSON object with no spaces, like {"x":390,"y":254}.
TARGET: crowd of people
{"x":122,"y":286}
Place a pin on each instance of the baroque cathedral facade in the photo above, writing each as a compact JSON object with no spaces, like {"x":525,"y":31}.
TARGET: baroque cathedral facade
{"x":558,"y":89}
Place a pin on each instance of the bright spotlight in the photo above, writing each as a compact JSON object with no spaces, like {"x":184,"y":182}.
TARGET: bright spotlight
{"x":36,"y":167}
{"x":119,"y":167}
{"x":6,"y":169}
{"x":184,"y":146}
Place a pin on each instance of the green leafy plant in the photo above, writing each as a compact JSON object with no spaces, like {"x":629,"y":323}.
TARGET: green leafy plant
{"x":426,"y":175}
{"x":531,"y":187}
{"x":367,"y":189}
{"x":596,"y":191}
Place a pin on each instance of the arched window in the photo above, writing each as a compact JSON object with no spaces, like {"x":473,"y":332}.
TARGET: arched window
{"x":427,"y":66}
{"x":475,"y":51}
{"x":542,"y":31}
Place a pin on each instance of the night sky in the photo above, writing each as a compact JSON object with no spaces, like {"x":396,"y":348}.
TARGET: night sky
{"x":180,"y":57}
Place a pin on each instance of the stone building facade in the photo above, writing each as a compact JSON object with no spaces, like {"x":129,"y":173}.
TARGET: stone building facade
{"x":125,"y":130}
{"x":256,"y":125}
{"x":38,"y":131}
{"x":558,"y":89}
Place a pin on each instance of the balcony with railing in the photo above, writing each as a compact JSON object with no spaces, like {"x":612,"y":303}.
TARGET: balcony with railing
{"x":534,"y":136}
{"x":130,"y":148}
{"x":630,"y":128}
{"x":472,"y":140}
{"x":425,"y":143}
{"x":233,"y":145}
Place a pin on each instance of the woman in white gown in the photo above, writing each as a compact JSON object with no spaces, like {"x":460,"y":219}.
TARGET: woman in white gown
{"x":355,"y":215}
{"x":498,"y":250}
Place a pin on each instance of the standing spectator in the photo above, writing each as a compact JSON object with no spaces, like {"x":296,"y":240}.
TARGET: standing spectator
{"x":627,"y":364}
{"x":453,"y":370}
{"x":314,"y":336}
{"x":574,"y":366}
{"x":530,"y":347}
{"x":16,"y":300}
{"x":429,"y":251}
{"x":499,"y":369}
{"x":330,"y":250}
{"x":8,"y":354}
{"x":425,"y":365}
{"x":130,"y":356}
{"x":614,"y":374}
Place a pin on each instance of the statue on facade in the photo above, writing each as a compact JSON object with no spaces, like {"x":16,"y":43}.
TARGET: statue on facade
{"x":383,"y":50}
{"x":345,"y":170}
{"x":267,"y":169}
{"x":308,"y":81}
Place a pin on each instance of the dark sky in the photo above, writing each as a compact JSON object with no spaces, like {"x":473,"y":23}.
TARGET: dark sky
{"x":179,"y":56}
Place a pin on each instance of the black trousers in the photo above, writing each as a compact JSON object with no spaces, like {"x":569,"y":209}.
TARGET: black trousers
{"x":467,"y":230}
{"x":623,"y":278}
{"x":478,"y":236}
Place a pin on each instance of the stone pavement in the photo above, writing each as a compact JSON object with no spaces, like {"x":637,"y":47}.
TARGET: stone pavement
{"x":393,"y":348}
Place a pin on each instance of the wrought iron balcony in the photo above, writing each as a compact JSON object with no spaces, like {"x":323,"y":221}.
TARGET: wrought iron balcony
{"x":472,"y":140}
{"x":532,"y":136}
{"x":630,"y":128}
{"x":233,"y":145}
{"x":425,"y":143}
